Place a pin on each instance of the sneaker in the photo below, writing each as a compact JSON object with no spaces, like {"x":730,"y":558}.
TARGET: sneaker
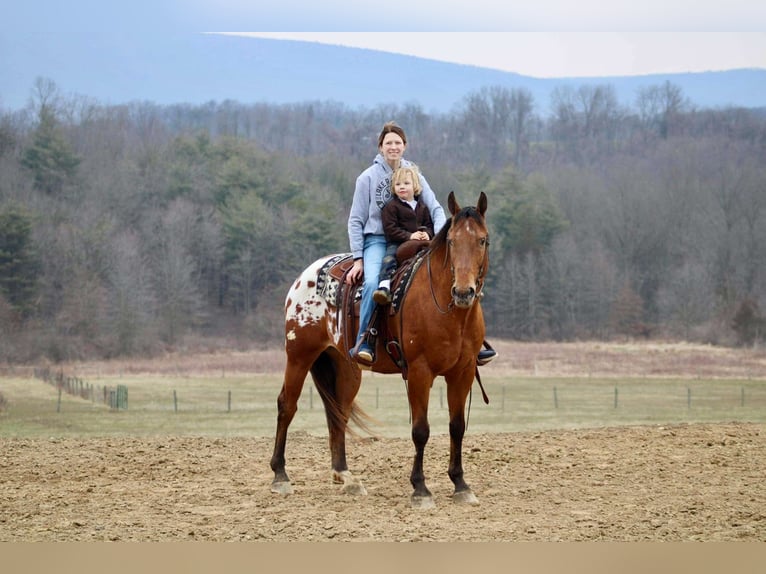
{"x":381,"y":296}
{"x":485,"y":356}
{"x":364,"y":353}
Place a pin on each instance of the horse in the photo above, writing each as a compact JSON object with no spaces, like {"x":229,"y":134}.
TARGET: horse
{"x":439,"y":329}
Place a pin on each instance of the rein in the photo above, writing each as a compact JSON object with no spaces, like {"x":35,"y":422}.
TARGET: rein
{"x":431,"y":287}
{"x":480,"y":280}
{"x":449,"y":308}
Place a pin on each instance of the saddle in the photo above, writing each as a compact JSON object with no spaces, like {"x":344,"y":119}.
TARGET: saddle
{"x":331,"y":284}
{"x":409,"y":249}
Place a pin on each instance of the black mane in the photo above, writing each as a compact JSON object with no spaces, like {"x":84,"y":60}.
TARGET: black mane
{"x":440,"y":239}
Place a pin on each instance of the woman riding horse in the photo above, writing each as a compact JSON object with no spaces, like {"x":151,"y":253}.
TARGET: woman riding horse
{"x":440,"y":329}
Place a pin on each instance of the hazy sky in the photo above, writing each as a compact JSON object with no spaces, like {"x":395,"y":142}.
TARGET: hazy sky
{"x":539,"y":38}
{"x":558,"y":54}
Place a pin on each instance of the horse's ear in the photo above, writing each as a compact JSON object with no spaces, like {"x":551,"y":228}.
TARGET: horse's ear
{"x":481,"y":206}
{"x":452,"y":203}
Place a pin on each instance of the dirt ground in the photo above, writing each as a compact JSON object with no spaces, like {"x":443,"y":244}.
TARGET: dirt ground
{"x":669,"y":483}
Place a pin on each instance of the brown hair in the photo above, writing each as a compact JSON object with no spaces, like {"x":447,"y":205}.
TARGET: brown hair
{"x":413,"y":170}
{"x":391,"y":127}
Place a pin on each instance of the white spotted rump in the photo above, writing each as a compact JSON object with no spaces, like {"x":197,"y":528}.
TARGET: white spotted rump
{"x":305,"y":306}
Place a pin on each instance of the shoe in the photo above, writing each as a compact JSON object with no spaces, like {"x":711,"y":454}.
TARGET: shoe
{"x":381,"y":296}
{"x":485,"y":356}
{"x":363,"y":353}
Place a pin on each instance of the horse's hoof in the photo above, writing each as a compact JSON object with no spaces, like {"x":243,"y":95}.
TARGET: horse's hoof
{"x":465,"y":497}
{"x":355,"y":488}
{"x":423,"y":502}
{"x":283,"y":488}
{"x":351,"y":484}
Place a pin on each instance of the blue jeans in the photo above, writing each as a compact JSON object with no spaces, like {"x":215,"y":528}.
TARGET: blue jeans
{"x":374,"y":251}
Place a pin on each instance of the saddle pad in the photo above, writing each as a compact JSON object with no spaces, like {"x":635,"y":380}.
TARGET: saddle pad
{"x":330,"y":276}
{"x":402,"y":279}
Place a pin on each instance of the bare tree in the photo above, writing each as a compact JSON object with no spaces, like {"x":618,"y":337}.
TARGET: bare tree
{"x":661,"y":108}
{"x":131,"y":306}
{"x":179,"y":305}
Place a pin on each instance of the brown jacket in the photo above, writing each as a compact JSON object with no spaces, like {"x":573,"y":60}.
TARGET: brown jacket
{"x":400,"y":220}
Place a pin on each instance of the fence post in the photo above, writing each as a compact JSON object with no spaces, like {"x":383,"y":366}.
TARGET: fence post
{"x":58,"y":403}
{"x":688,"y":397}
{"x":122,"y":397}
{"x":229,"y":403}
{"x":555,"y":398}
{"x":615,"y":397}
{"x":175,"y":401}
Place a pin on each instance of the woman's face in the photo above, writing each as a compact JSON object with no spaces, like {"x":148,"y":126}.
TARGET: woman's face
{"x":392,"y":148}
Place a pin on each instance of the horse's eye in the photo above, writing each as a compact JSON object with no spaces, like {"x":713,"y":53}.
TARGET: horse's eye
{"x":483,"y":241}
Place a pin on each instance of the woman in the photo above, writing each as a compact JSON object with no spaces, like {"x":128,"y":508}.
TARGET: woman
{"x":365,"y":226}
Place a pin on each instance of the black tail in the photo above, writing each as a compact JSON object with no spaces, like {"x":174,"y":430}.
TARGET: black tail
{"x":324,"y":374}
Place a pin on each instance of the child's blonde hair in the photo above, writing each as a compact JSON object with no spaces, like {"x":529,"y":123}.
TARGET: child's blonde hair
{"x":411,"y":170}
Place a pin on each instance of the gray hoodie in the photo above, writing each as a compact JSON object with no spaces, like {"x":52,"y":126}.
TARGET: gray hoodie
{"x":372,"y":192}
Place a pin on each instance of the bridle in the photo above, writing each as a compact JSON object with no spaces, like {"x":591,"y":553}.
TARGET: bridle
{"x":479,"y":280}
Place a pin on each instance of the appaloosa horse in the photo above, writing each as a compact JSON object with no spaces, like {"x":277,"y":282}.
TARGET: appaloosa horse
{"x":437,"y":330}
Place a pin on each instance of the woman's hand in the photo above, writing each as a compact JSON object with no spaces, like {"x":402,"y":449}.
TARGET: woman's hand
{"x":419,"y":235}
{"x":355,"y":272}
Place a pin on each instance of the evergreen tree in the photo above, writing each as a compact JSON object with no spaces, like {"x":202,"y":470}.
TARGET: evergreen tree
{"x":19,"y":266}
{"x":49,"y":157}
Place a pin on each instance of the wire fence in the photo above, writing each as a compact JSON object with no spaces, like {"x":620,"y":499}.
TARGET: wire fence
{"x":246,"y":405}
{"x":116,"y":397}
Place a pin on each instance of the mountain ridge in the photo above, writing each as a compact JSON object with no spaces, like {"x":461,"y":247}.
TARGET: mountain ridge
{"x":182,"y":68}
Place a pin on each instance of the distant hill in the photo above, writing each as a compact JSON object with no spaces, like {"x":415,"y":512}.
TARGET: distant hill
{"x":198,"y":68}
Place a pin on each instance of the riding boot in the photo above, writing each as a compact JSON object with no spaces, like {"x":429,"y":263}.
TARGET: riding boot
{"x":382,"y":295}
{"x":364,"y":350}
{"x":486,"y":354}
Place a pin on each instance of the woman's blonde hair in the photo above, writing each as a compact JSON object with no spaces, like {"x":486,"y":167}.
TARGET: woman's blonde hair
{"x":411,"y":170}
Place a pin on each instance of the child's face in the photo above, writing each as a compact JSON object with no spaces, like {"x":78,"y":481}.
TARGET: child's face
{"x":405,"y":188}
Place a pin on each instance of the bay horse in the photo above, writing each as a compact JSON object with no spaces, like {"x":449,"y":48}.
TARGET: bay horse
{"x":439,"y":328}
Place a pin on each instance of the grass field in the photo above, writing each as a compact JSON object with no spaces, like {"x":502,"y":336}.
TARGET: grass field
{"x":224,"y":405}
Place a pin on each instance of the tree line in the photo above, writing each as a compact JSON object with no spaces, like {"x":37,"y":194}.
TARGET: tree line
{"x":133,"y":228}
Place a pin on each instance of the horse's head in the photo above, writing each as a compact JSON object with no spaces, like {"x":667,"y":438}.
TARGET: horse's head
{"x":468,"y":248}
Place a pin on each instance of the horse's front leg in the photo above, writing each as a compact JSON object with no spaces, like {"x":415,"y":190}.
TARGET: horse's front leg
{"x":418,"y":390}
{"x":457,"y":393}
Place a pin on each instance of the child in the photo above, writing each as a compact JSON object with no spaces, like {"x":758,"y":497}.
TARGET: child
{"x":404,"y":217}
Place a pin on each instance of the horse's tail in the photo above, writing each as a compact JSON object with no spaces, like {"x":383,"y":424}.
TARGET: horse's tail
{"x":323,"y":371}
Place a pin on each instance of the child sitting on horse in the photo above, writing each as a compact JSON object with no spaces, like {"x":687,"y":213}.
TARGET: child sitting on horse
{"x":404,"y":218}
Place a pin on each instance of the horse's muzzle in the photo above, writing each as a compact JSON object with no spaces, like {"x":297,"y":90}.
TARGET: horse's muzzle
{"x":463,"y":298}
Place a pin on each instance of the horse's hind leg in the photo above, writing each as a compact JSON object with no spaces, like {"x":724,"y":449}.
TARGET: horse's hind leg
{"x":338,"y":383}
{"x":287,"y":406}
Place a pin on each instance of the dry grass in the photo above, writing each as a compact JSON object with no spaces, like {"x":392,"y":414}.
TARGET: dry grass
{"x":629,"y":359}
{"x":532,"y":386}
{"x":579,"y":359}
